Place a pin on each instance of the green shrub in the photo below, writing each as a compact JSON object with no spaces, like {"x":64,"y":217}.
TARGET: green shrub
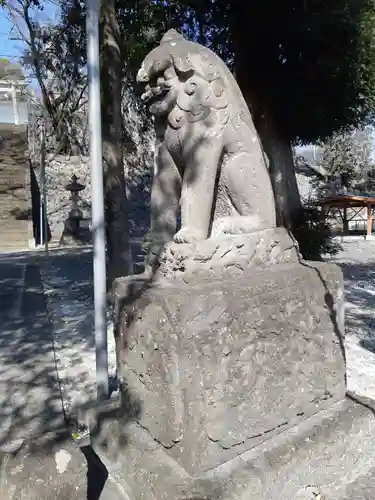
{"x":314,"y":235}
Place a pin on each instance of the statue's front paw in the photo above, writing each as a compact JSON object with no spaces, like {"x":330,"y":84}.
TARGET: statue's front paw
{"x":188,"y":235}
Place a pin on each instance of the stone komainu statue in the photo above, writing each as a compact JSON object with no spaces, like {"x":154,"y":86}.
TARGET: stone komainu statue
{"x":232,"y":342}
{"x":209,"y":163}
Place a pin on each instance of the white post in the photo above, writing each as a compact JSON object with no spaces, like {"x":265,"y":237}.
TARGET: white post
{"x":98,"y":227}
{"x":16,"y":116}
{"x":43,"y":193}
{"x":42,"y":208}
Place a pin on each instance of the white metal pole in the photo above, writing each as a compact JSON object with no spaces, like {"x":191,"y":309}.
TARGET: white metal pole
{"x":98,"y":227}
{"x":43,"y":234}
{"x":16,"y":117}
{"x":41,"y":222}
{"x":44,"y":189}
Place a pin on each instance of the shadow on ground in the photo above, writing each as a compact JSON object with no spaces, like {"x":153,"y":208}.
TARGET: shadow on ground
{"x":34,"y":425}
{"x":30,"y":397}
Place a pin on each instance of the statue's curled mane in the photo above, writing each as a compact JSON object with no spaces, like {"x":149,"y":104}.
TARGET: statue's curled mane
{"x":206,"y":84}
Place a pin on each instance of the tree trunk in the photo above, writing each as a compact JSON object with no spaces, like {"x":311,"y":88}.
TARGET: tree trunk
{"x":276,"y":146}
{"x":281,"y":169}
{"x":119,"y":262}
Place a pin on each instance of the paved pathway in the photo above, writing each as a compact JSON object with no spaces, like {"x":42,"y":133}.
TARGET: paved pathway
{"x":38,"y":457}
{"x":30,"y":399}
{"x":68,"y":284}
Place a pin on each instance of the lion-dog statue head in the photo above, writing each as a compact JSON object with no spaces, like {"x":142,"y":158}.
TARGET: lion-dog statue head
{"x":181,"y":81}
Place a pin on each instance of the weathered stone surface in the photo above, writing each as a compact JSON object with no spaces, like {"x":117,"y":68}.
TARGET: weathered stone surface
{"x":330,"y":453}
{"x":229,"y":255}
{"x":222,"y":365}
{"x":210,"y":163}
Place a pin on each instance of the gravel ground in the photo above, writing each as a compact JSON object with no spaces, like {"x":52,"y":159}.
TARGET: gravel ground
{"x":357,"y":260}
{"x":67,"y":279}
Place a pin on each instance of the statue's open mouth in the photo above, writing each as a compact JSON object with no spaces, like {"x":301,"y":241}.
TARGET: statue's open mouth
{"x":155,"y":93}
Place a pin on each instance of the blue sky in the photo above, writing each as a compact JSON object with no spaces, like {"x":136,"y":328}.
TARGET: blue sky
{"x":12,"y":49}
{"x":8,"y":48}
{"x":11,"y":46}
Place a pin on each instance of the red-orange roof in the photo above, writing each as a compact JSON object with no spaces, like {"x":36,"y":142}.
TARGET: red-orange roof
{"x":349,"y":200}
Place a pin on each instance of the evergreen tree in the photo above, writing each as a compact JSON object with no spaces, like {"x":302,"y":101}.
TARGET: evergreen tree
{"x":349,"y":154}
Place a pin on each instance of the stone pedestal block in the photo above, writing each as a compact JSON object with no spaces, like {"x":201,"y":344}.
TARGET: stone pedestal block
{"x":220,"y":367}
{"x":329,"y":455}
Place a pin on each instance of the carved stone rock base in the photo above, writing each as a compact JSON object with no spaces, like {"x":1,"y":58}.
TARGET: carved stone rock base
{"x":228,"y":255}
{"x":221,"y":367}
{"x":329,"y":456}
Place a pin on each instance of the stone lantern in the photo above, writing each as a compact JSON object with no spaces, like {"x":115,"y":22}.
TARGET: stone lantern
{"x":75,"y":214}
{"x":71,"y":232}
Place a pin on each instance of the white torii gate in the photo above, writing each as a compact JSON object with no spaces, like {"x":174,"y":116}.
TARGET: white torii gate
{"x":12,"y":88}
